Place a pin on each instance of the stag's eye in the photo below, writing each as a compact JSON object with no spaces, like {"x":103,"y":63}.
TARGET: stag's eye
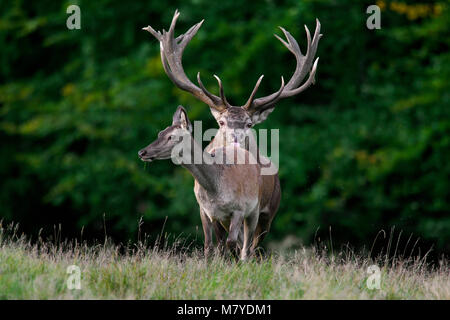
{"x":249,"y":125}
{"x":169,"y":138}
{"x":221,"y":123}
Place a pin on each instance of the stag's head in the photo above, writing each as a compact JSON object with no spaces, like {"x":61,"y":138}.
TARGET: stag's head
{"x":255,"y":110}
{"x":234,"y":124}
{"x":168,"y":138}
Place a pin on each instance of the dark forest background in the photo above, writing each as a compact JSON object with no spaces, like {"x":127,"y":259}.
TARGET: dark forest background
{"x":367,"y":148}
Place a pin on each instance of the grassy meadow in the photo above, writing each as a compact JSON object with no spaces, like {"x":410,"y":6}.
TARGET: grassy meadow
{"x":139,"y":271}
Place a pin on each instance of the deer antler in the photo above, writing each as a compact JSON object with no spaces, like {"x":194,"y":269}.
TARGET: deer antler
{"x":304,"y":63}
{"x":171,"y":56}
{"x":172,"y":52}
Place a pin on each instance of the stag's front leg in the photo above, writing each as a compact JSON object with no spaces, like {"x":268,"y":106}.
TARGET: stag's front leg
{"x":250,"y":224}
{"x":207,"y":231}
{"x":233,"y":232}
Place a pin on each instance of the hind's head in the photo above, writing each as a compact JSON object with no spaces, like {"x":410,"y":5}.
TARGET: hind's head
{"x":168,"y":138}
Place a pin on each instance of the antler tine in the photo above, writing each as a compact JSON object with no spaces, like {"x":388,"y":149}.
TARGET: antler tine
{"x":171,"y":31}
{"x":168,"y":39}
{"x":317,"y":35}
{"x":209,"y":94}
{"x":185,"y":38}
{"x":264,"y":103}
{"x":308,"y":41}
{"x":156,"y":34}
{"x":171,"y":56}
{"x":312,"y":49}
{"x":252,"y":95}
{"x":292,"y":44}
{"x":222,"y":94}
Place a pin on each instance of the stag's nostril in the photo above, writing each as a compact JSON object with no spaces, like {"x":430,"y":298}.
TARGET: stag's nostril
{"x":142,"y":153}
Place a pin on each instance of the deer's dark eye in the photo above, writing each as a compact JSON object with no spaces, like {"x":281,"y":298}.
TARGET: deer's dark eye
{"x":249,"y":125}
{"x":169,"y":138}
{"x":221,"y":123}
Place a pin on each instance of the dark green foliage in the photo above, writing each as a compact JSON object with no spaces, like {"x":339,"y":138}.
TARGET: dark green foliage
{"x":366,"y":148}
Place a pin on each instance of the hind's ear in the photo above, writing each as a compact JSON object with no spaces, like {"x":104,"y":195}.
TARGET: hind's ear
{"x":180,"y":117}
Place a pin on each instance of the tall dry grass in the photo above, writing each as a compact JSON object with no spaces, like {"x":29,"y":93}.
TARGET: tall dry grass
{"x":141,"y":271}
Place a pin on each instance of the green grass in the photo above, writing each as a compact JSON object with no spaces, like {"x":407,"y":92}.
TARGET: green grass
{"x":38,"y":271}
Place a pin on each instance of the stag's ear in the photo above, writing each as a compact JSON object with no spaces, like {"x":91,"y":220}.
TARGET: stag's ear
{"x":260,"y":116}
{"x":180,"y":117}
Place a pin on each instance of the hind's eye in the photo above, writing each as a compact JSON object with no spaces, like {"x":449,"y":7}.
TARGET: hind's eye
{"x":221,"y":123}
{"x":249,"y":125}
{"x":169,"y":138}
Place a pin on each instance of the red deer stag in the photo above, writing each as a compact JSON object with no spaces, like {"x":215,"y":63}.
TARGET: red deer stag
{"x":235,"y":121}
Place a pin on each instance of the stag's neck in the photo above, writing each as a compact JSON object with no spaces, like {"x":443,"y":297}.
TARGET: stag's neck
{"x":200,"y":166}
